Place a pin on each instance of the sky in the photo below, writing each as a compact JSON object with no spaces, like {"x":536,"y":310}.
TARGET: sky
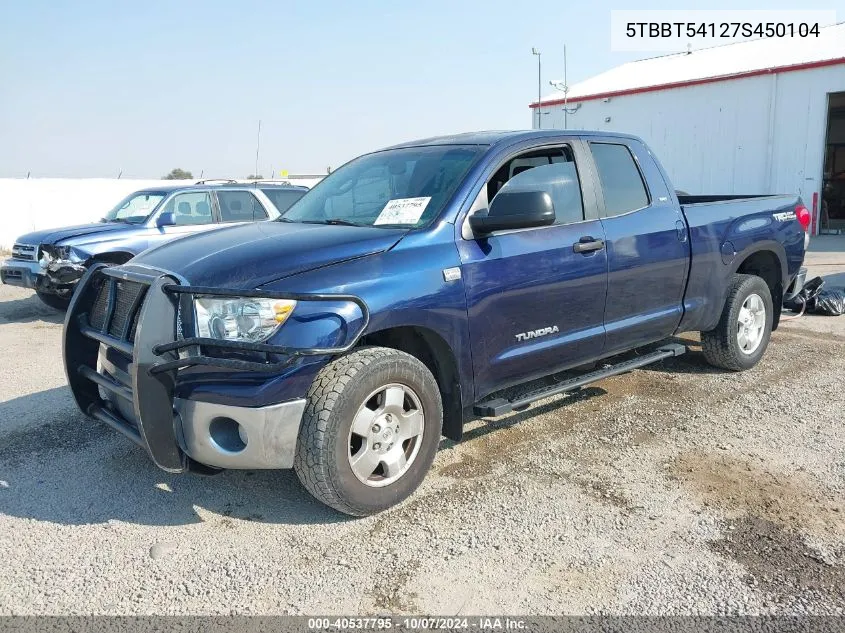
{"x":95,"y":88}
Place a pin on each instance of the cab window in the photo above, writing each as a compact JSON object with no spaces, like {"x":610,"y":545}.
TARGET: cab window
{"x":621,"y":182}
{"x":240,"y":206}
{"x":192,"y":207}
{"x":551,"y":170}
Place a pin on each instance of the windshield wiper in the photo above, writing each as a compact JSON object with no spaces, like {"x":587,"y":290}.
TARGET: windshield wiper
{"x":339,"y":222}
{"x":332,"y":221}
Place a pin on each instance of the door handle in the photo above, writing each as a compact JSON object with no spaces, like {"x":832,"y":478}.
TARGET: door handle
{"x":587,"y":245}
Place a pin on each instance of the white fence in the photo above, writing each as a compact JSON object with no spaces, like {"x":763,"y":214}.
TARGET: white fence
{"x":42,"y":203}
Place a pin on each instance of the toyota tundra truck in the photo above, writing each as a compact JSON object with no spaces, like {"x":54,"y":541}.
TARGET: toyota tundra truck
{"x":418,"y":287}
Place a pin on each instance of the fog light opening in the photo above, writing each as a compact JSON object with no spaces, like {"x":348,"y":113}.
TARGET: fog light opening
{"x":227,"y":435}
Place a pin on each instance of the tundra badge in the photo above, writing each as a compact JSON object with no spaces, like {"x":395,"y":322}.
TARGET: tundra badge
{"x":543,"y":331}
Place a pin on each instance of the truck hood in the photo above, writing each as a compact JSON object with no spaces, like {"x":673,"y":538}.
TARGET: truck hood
{"x":251,"y":255}
{"x":54,"y":236}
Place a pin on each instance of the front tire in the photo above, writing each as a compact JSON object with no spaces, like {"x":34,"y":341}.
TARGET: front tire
{"x":370,"y":430}
{"x":57,"y":302}
{"x":740,"y":339}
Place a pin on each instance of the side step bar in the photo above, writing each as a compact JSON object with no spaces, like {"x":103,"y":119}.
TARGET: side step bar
{"x":500,"y":406}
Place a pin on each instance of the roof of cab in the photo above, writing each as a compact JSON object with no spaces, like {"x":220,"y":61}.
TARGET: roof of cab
{"x":167,"y":188}
{"x":497,"y":137}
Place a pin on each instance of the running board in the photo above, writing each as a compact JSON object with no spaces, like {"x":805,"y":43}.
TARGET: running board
{"x":500,"y":406}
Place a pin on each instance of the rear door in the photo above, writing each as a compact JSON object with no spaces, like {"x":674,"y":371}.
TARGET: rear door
{"x":535,"y":303}
{"x":238,"y":205}
{"x":647,"y":245}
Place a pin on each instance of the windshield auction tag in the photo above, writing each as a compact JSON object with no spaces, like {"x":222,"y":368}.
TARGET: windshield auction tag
{"x":402,"y":211}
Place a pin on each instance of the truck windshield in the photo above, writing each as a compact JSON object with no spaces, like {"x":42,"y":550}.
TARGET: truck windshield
{"x":401,"y":187}
{"x":135,"y":208}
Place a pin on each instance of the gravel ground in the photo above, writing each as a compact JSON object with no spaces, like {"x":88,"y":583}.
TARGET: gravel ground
{"x":674,"y":489}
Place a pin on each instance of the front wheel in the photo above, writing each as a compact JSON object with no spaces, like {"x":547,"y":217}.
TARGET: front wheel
{"x":740,"y":339}
{"x":57,"y":302}
{"x":370,"y":430}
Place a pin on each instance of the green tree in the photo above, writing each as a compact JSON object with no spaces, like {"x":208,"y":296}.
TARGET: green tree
{"x":255,"y":177}
{"x":179,"y":174}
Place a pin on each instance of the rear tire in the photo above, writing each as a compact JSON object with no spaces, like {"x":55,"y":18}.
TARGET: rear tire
{"x":57,"y":302}
{"x":370,"y":430}
{"x":740,"y":339}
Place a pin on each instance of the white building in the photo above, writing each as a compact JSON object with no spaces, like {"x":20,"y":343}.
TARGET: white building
{"x":764,"y":116}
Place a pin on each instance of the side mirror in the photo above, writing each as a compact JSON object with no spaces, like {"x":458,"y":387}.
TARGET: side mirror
{"x":515,"y":210}
{"x":166,"y":218}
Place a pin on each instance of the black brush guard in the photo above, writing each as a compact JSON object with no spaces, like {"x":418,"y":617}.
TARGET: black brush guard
{"x":153,"y":347}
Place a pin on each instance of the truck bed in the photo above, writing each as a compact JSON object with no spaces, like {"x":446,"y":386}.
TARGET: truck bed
{"x":686,"y":199}
{"x":725,"y":229}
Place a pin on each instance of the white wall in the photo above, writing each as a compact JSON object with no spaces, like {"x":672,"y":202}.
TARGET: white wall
{"x":762,"y":134}
{"x":40,"y":203}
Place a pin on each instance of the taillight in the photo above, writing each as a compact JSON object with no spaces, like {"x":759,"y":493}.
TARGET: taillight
{"x":803,"y":216}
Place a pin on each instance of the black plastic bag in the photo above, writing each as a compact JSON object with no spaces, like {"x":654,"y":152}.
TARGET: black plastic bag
{"x":805,"y":300}
{"x":829,"y":302}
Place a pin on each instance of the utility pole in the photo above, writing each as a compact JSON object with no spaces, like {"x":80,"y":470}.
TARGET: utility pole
{"x":565,"y":88}
{"x":257,"y":148}
{"x":534,"y":51}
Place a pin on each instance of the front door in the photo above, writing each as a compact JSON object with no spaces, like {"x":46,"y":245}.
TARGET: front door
{"x":535,"y":299}
{"x":192,"y":212}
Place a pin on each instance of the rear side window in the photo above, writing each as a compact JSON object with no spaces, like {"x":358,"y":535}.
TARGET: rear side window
{"x":283,"y":199}
{"x":240,"y":206}
{"x":621,"y":182}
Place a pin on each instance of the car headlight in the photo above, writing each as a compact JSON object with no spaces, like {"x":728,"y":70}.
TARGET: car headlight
{"x":240,"y":318}
{"x":61,"y":254}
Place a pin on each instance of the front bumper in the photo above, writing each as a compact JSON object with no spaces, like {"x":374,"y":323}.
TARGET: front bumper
{"x":240,"y":437}
{"x":139,"y":315}
{"x":58,"y":276}
{"x":217,"y":435}
{"x":16,"y":272}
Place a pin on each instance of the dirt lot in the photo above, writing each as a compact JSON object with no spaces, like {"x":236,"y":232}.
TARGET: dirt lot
{"x":674,"y":489}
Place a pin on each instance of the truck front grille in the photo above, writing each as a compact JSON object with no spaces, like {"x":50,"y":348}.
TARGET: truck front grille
{"x":25,"y":252}
{"x":123,"y":299}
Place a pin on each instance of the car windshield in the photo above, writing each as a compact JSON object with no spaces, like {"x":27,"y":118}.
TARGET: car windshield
{"x":136,"y":207}
{"x":400,"y":187}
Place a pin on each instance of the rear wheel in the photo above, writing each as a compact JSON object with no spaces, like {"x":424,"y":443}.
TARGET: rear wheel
{"x":370,"y":431}
{"x":57,"y":302}
{"x":740,"y":339}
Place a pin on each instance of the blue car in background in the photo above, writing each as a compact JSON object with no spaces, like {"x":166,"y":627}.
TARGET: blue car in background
{"x":52,"y":261}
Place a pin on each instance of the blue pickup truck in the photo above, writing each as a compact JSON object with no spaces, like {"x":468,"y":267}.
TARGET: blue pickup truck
{"x":52,"y":261}
{"x":413,"y":288}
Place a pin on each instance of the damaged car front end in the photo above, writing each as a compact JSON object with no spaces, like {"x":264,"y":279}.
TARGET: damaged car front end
{"x":61,"y":268}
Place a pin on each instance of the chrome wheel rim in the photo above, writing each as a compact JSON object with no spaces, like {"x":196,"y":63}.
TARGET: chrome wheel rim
{"x":751,"y":324}
{"x":386,"y":435}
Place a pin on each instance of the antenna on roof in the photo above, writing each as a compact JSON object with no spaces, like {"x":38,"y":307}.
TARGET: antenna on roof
{"x":689,"y":48}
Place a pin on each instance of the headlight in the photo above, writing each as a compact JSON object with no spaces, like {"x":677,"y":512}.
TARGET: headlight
{"x":240,"y":318}
{"x":61,"y":254}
